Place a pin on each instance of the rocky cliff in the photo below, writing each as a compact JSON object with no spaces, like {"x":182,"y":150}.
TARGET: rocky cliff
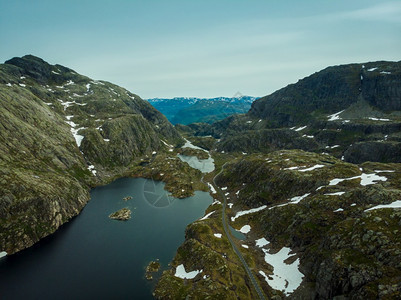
{"x":348,"y":111}
{"x":332,"y":90}
{"x":60,"y":134}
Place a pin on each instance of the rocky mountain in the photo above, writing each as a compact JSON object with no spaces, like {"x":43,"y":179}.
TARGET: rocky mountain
{"x":336,"y":218}
{"x":192,"y":110}
{"x":351,"y":111}
{"x":311,"y":177}
{"x":60,"y":134}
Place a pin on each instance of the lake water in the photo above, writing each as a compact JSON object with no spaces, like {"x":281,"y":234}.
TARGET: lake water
{"x":203,"y":165}
{"x":93,"y":257}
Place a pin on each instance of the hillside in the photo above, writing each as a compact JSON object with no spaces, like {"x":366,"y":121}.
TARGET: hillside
{"x":350,"y":111}
{"x":62,"y":133}
{"x":314,"y":227}
{"x":311,"y":178}
{"x":193,"y":110}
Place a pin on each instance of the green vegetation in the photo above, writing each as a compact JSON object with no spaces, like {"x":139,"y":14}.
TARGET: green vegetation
{"x":45,"y":175}
{"x":153,"y":267}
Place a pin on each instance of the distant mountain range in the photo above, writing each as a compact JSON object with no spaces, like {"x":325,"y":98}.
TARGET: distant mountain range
{"x":187,"y":110}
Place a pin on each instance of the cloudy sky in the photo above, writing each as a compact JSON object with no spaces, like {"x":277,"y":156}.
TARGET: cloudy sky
{"x":202,"y":48}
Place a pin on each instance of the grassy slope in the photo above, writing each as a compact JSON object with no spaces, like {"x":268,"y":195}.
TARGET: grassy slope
{"x":45,"y":176}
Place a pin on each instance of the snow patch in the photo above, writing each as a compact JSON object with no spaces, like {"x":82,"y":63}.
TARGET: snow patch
{"x":78,"y":138}
{"x":207,"y":216}
{"x":246,"y":212}
{"x":366,"y":179}
{"x":230,"y":205}
{"x":286,"y":277}
{"x":335,"y":194}
{"x":338,"y":210}
{"x":293,"y":200}
{"x":332,"y":147}
{"x":92,"y":169}
{"x":181,"y":273}
{"x":245,"y":246}
{"x":335,"y":116}
{"x":245,"y":229}
{"x":395,"y":204}
{"x":3,"y":253}
{"x":298,"y":198}
{"x":212,"y":189}
{"x":218,"y":235}
{"x":378,"y":119}
{"x":312,"y":168}
{"x":300,"y":128}
{"x":294,"y":168}
{"x":262,"y":242}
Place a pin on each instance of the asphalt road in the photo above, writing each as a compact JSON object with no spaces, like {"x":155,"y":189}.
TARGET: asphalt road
{"x":227,"y":232}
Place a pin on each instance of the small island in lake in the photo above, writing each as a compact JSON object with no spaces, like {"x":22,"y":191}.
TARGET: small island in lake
{"x":152,"y":267}
{"x":127,"y":198}
{"x":121,"y":215}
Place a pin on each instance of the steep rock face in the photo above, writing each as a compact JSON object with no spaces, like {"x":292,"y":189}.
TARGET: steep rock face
{"x":60,"y":134}
{"x":331,"y":90}
{"x":266,"y":140}
{"x":374,"y":151}
{"x":43,"y":175}
{"x":381,"y":86}
{"x":329,"y":111}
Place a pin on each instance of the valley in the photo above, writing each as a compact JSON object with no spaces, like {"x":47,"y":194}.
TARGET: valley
{"x":309,"y":179}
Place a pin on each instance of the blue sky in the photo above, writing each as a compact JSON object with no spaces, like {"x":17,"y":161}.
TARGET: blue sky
{"x":201,"y":48}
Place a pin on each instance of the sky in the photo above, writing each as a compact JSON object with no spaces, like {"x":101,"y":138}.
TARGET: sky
{"x":205,"y":48}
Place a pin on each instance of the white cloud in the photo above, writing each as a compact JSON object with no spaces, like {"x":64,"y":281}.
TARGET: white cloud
{"x":385,"y":12}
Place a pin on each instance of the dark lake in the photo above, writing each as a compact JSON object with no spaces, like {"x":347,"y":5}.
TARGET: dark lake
{"x":93,"y":257}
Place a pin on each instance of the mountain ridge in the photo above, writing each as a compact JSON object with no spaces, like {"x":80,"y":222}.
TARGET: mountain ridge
{"x":186,"y":110}
{"x":346,"y":105}
{"x":61,"y":134}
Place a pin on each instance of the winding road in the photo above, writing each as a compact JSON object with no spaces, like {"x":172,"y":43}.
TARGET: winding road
{"x":236,"y":250}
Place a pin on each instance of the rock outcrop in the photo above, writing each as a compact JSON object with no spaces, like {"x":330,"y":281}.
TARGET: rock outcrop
{"x":123,"y":214}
